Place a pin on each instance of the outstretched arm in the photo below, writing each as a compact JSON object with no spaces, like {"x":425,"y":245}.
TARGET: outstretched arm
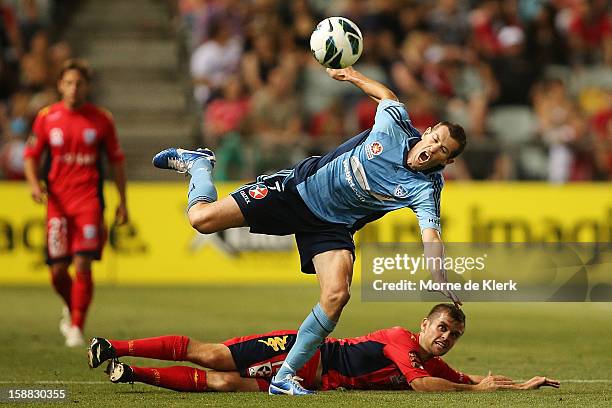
{"x":488,"y":383}
{"x":370,"y":87}
{"x":433,"y":249}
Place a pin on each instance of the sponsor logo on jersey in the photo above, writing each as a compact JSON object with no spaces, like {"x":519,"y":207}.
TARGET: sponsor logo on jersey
{"x":267,"y":369}
{"x":56,"y":137}
{"x":90,"y":231}
{"x":400,"y":192}
{"x":258,"y":192}
{"x":89,"y":135}
{"x":277,"y":343}
{"x":374,"y":149}
{"x":245,"y":197}
{"x":261,"y":370}
{"x":82,"y":159}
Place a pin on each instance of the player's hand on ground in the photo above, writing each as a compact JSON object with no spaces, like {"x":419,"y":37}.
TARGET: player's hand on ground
{"x":494,"y":383}
{"x":343,"y":74}
{"x":121,"y":214}
{"x":537,"y":382}
{"x":39,"y":193}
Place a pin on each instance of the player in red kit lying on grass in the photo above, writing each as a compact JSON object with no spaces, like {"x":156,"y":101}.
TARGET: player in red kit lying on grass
{"x":389,"y":359}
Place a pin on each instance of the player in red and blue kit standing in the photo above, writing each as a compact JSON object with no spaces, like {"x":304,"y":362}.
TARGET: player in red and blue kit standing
{"x":390,"y":359}
{"x":74,"y":133}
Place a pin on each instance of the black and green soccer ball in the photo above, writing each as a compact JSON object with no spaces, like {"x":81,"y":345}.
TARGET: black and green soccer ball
{"x":336,"y":42}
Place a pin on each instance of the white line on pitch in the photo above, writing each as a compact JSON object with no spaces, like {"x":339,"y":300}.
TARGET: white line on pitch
{"x":107,"y":382}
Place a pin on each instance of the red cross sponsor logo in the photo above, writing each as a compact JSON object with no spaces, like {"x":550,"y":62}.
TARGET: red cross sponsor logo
{"x":258,"y":192}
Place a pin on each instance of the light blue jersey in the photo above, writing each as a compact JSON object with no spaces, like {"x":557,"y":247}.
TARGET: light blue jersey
{"x":367,"y":176}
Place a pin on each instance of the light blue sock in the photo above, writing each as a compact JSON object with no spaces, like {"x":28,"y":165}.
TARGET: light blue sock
{"x":201,"y":187}
{"x":311,"y":334}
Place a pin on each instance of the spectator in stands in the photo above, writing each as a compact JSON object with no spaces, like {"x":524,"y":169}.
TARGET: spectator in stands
{"x":214,"y":61}
{"x":560,"y":126}
{"x":223,"y":124}
{"x":601,"y":125}
{"x":590,"y":31}
{"x":276,"y":122}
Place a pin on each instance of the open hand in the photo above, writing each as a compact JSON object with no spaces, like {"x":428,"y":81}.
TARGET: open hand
{"x":494,"y":383}
{"x":537,"y":382}
{"x":343,"y":74}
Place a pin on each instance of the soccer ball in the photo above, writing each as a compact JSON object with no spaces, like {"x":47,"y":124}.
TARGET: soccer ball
{"x":336,"y":42}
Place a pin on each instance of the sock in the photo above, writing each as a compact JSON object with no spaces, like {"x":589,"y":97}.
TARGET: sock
{"x":62,"y":283}
{"x":172,"y":348}
{"x":201,"y":187}
{"x":311,"y":334}
{"x":82,"y":292}
{"x":178,"y":378}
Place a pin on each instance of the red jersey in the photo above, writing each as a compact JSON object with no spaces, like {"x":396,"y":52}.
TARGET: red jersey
{"x":74,"y":139}
{"x":384,"y":360}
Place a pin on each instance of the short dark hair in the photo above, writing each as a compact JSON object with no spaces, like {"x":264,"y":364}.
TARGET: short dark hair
{"x":458,"y":134}
{"x":77,"y":64}
{"x":452,"y":310}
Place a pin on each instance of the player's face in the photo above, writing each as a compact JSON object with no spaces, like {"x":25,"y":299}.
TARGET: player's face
{"x":439,"y":334}
{"x":73,"y":87}
{"x":434,"y":149}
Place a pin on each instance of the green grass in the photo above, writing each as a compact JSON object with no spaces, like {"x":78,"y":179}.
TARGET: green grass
{"x":568,"y":341}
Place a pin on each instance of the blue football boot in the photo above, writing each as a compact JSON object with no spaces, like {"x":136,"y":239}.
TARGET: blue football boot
{"x":181,"y":160}
{"x":288,"y":386}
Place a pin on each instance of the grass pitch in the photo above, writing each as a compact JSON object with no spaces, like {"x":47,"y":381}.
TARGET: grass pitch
{"x":571,"y":342}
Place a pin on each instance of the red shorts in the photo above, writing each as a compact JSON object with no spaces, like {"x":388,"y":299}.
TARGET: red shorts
{"x":80,"y":233}
{"x":261,"y":355}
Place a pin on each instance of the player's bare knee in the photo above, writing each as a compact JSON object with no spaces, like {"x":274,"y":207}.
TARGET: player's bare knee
{"x":200,"y":218}
{"x":337,"y":298}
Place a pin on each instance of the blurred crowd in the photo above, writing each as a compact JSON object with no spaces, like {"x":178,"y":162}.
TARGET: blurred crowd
{"x":30,"y":59}
{"x":530,"y":80}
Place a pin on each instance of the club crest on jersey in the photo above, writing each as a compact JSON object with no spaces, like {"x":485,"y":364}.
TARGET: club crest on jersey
{"x":400,"y":192}
{"x":89,"y":135}
{"x":56,"y":137}
{"x":258,"y":192}
{"x":373,"y":149}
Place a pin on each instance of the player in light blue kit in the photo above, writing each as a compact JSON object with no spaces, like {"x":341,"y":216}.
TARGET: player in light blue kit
{"x":324,"y":200}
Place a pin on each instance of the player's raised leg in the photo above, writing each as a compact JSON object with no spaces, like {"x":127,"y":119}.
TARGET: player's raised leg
{"x":334,"y":270}
{"x":199,"y":164}
{"x":206,"y":214}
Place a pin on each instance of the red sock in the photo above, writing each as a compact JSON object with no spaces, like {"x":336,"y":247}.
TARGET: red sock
{"x":172,"y":348}
{"x":62,"y":283}
{"x":82,"y":292}
{"x":178,"y":378}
